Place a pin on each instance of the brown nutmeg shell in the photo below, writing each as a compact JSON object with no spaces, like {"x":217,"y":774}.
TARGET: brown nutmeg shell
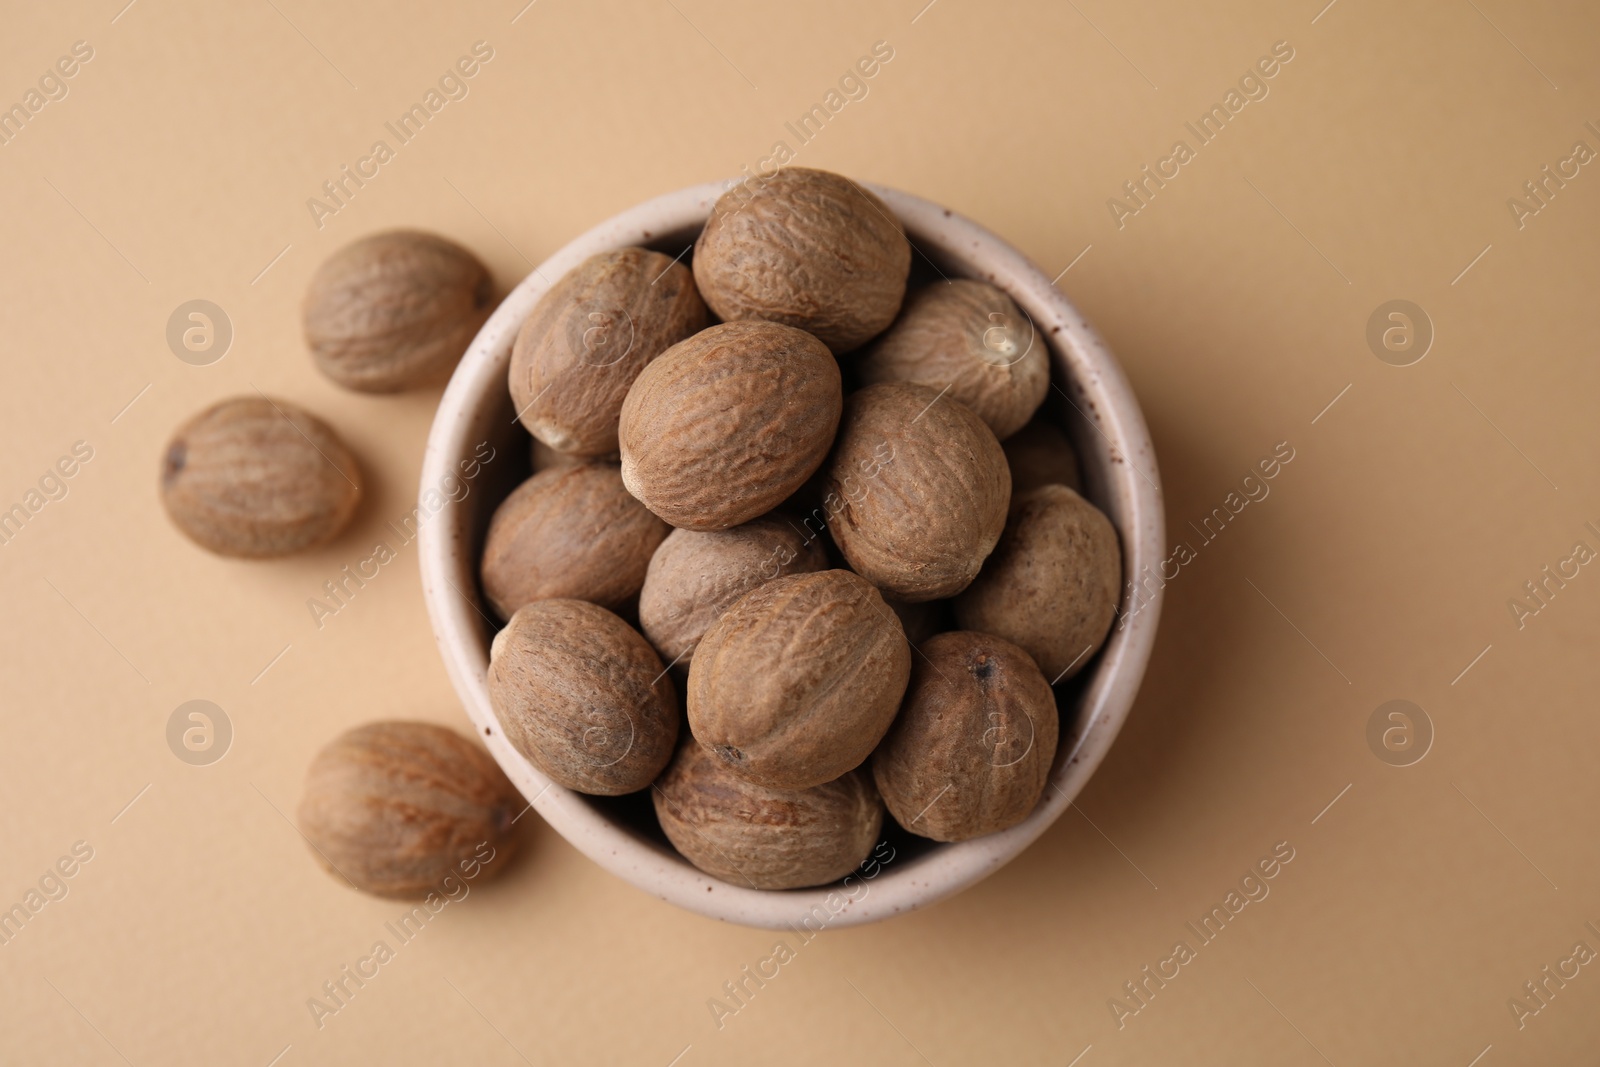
{"x":797,"y":682}
{"x":972,"y":748}
{"x":750,"y":835}
{"x":589,"y":337}
{"x":395,"y":310}
{"x":583,"y":696}
{"x":806,"y":248}
{"x":396,"y":808}
{"x":971,"y":338}
{"x":723,"y":427}
{"x":569,"y":531}
{"x":1053,"y":583}
{"x":921,"y":486}
{"x":697,"y":575}
{"x":256,"y":478}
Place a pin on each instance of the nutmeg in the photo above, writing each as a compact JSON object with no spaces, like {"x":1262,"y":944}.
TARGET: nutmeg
{"x":797,"y":682}
{"x":589,"y":337}
{"x":972,"y":339}
{"x":569,"y":531}
{"x":696,"y":575}
{"x":723,"y":427}
{"x":922,"y":488}
{"x":395,"y":310}
{"x":583,"y":696}
{"x":751,"y":835}
{"x":397,"y":808}
{"x":806,"y":248}
{"x":972,"y":748}
{"x":255,"y":477}
{"x":1040,"y":454}
{"x":1053,"y":583}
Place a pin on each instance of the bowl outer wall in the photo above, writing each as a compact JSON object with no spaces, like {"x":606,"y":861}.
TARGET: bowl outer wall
{"x":1119,"y":467}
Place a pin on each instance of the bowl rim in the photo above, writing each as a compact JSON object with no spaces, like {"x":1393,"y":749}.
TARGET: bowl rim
{"x":1118,"y":462}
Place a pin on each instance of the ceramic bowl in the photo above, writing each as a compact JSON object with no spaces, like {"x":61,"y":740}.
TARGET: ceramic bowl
{"x":460,"y":489}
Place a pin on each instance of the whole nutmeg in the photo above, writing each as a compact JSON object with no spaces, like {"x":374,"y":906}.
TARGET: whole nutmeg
{"x":1053,"y":583}
{"x":583,"y":696}
{"x":255,"y":477}
{"x":921,"y":487}
{"x":588,"y":339}
{"x":723,"y":427}
{"x":696,"y":575}
{"x":806,"y":248}
{"x":752,"y":835}
{"x":398,"y":808}
{"x":569,"y":531}
{"x":797,"y":682}
{"x":1040,"y":454}
{"x":971,"y":750}
{"x":971,"y":338}
{"x":395,"y":310}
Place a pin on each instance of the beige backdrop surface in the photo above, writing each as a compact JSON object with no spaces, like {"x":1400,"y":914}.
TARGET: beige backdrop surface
{"x":1378,"y":166}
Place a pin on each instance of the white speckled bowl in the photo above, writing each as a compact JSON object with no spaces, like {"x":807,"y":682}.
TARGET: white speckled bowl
{"x":1092,"y":399}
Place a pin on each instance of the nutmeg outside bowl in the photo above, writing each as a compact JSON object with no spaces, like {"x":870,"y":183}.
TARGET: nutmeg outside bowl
{"x":1090,"y":398}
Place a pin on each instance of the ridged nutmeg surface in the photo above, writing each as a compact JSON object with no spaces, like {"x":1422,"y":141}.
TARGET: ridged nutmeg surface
{"x":588,"y":339}
{"x":971,"y":338}
{"x":806,"y":248}
{"x":971,"y":750}
{"x":1053,"y":583}
{"x":254,"y":477}
{"x":397,"y":808}
{"x":395,"y":310}
{"x":723,"y":427}
{"x":797,"y":682}
{"x":583,"y":696}
{"x":750,"y":835}
{"x":697,"y":575}
{"x":921,"y":486}
{"x":569,"y":531}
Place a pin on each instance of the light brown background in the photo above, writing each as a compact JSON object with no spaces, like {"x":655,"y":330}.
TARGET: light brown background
{"x":178,"y":167}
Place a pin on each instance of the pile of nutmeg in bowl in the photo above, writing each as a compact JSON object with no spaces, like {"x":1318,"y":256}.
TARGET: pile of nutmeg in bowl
{"x":811,"y":516}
